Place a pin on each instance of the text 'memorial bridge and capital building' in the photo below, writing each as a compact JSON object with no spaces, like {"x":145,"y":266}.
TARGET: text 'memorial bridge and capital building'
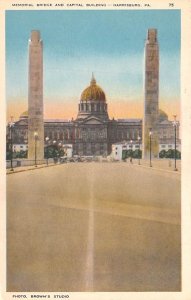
{"x":93,"y":132}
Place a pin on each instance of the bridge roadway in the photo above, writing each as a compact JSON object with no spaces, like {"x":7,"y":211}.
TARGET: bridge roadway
{"x":93,"y":227}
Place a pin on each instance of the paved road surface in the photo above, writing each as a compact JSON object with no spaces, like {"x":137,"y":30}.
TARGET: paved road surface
{"x":93,"y":227}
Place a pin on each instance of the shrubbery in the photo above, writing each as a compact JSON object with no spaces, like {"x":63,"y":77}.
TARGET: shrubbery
{"x":130,"y":153}
{"x":170,"y":154}
{"x":53,"y":151}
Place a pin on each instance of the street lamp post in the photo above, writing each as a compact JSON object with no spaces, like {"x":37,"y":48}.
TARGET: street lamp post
{"x":47,"y":139}
{"x":35,"y":147}
{"x":131,"y":142}
{"x":150,"y":135}
{"x":54,"y":143}
{"x":139,"y":138}
{"x":11,"y":125}
{"x":174,"y":124}
{"x":59,"y":153}
{"x":65,"y":150}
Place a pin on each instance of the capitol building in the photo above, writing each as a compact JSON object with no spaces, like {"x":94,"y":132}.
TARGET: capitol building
{"x":93,"y":132}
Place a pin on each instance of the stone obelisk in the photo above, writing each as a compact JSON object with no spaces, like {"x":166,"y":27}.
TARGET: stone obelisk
{"x":151,"y":97}
{"x":35,"y":98}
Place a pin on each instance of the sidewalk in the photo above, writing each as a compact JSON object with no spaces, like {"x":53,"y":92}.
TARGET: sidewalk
{"x":158,"y":164}
{"x":29,"y":168}
{"x":163,"y":165}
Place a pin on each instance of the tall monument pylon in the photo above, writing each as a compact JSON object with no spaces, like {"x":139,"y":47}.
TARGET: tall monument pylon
{"x":35,"y":98}
{"x":151,"y":97}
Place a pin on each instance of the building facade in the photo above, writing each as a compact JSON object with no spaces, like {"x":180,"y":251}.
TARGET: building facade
{"x":93,"y":132}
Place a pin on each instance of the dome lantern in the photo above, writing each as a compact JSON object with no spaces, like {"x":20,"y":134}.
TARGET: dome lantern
{"x":93,"y":81}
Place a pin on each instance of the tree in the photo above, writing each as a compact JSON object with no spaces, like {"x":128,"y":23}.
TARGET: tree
{"x":162,"y":154}
{"x":171,"y":154}
{"x":124,"y":154}
{"x":130,"y":153}
{"x":137,"y":153}
{"x":21,"y":154}
{"x":53,"y":151}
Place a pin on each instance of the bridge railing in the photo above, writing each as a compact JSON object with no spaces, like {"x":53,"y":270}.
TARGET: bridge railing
{"x":26,"y":162}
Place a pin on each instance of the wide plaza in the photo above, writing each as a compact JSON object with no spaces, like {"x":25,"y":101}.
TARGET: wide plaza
{"x":94,"y":227}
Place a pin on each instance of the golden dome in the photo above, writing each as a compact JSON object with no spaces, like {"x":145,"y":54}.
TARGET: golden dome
{"x":93,"y":92}
{"x":162,"y":115}
{"x":24,"y":114}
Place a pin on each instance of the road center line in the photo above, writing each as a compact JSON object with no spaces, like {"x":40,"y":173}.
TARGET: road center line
{"x":89,"y":271}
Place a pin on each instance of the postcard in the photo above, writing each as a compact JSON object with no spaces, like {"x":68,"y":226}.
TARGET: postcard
{"x":95,"y":143}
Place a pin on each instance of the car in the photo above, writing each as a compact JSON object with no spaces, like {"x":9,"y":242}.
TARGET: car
{"x":71,"y":159}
